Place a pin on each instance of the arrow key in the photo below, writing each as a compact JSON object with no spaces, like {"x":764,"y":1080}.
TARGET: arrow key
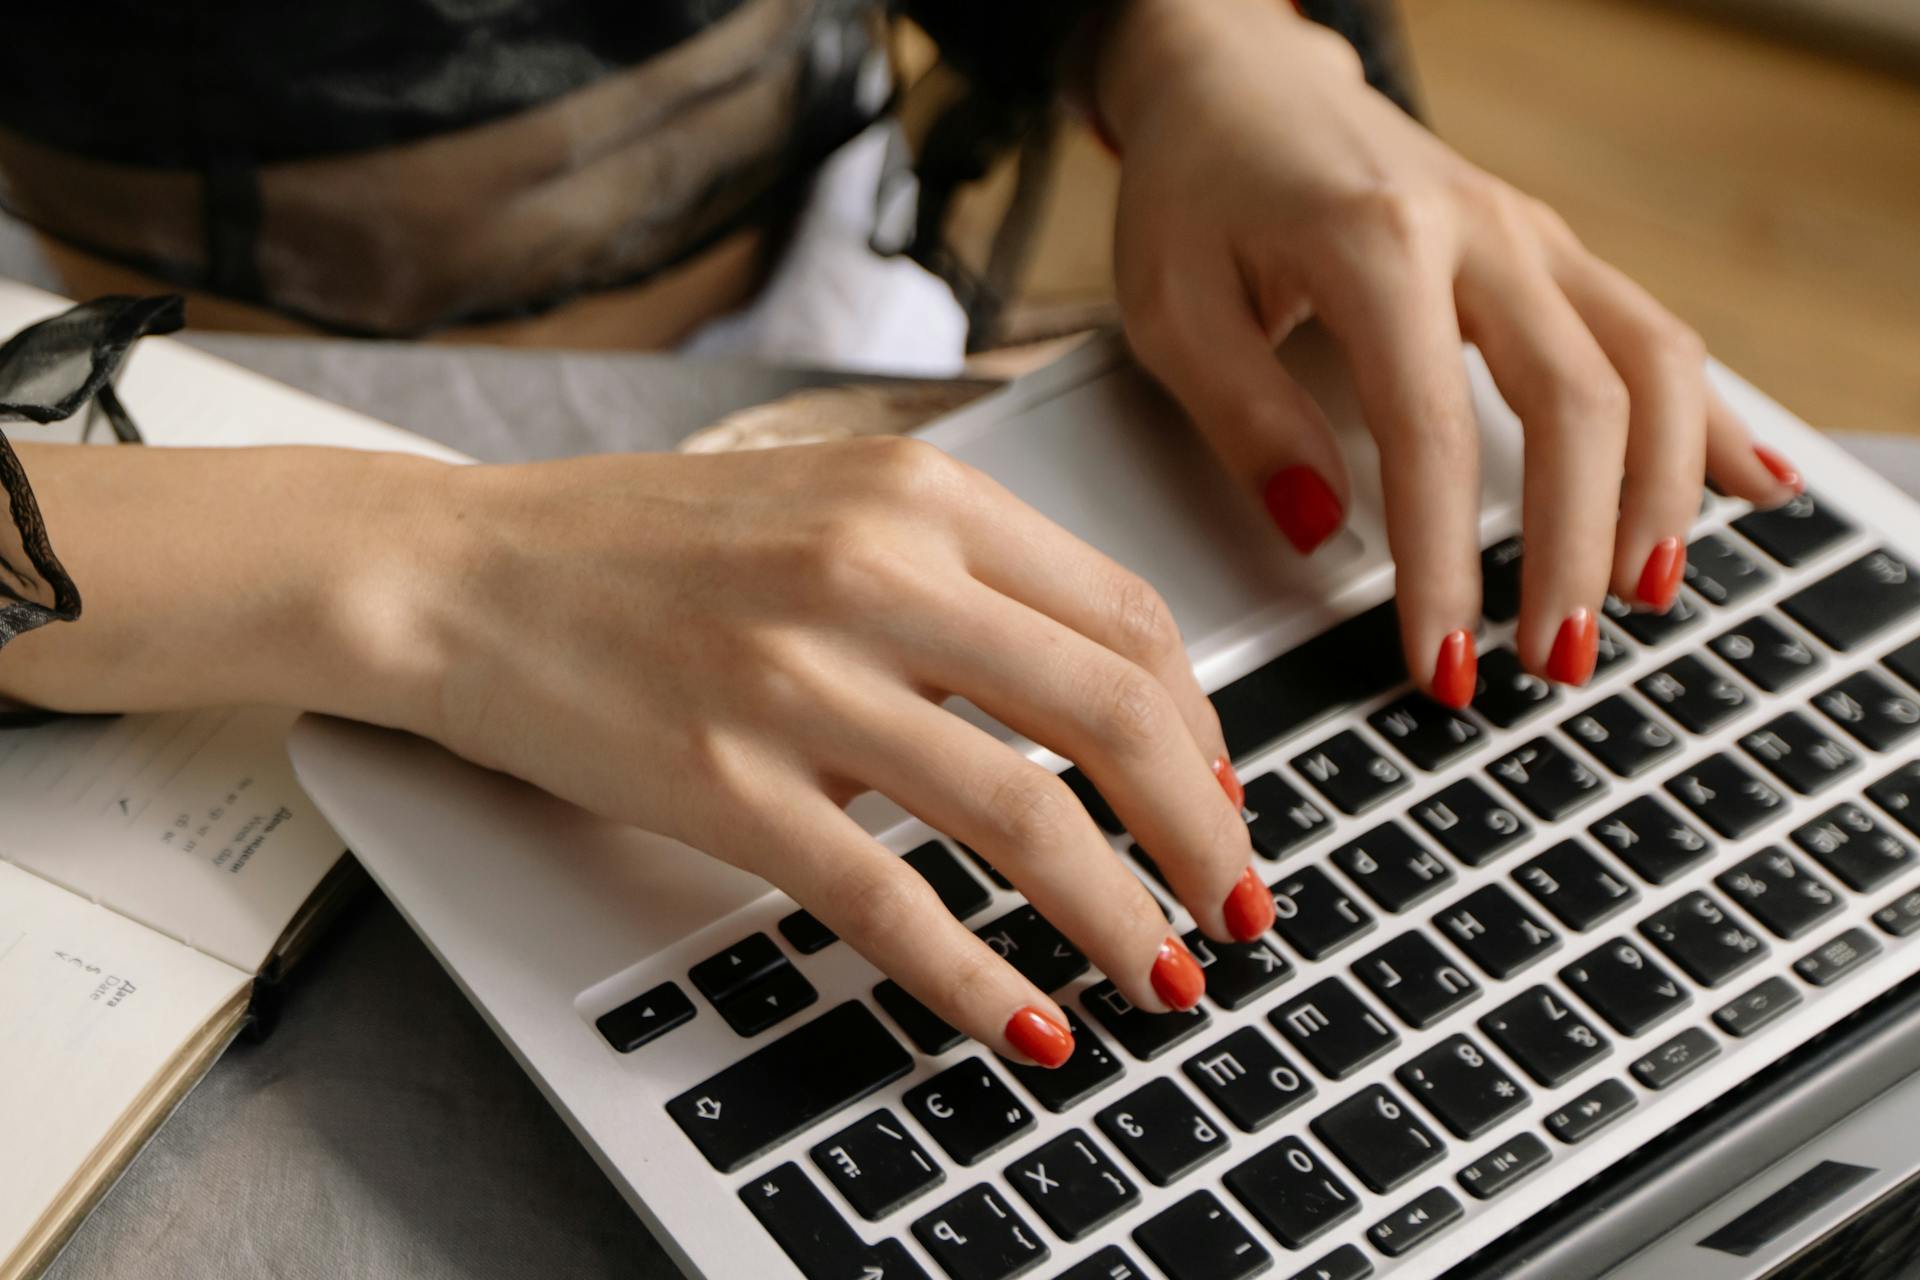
{"x":646,"y":1017}
{"x":779,"y":993}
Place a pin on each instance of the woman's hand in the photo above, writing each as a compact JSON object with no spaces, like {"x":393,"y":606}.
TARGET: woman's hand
{"x":727,"y":648}
{"x":1264,"y":182}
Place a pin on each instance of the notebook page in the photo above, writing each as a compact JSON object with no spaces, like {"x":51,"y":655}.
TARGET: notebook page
{"x":190,"y":823}
{"x":93,"y":1008}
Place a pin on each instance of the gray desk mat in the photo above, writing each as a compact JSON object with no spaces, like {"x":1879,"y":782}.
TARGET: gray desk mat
{"x":383,"y":1131}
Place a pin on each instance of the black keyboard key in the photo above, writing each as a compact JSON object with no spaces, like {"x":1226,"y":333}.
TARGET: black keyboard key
{"x":1333,"y":1028}
{"x":986,"y":868}
{"x":1901,"y":917}
{"x":1110,"y":1263}
{"x":1198,"y":1239}
{"x":1091,"y":1068}
{"x":1836,"y":958}
{"x":772,"y":998}
{"x":740,"y":965}
{"x":1609,"y":650}
{"x":1722,"y":574}
{"x":1144,"y":1035}
{"x":1872,"y":710}
{"x":1546,"y":779}
{"x":1414,"y":979}
{"x":1621,"y":736}
{"x":1853,"y":604}
{"x":789,"y":1084}
{"x":805,"y":934}
{"x":1767,"y":653}
{"x":1542,"y":1033}
{"x":1800,"y":753}
{"x":1622,"y":984}
{"x":1292,"y":1192}
{"x":645,"y":1018}
{"x":1415,"y":1223}
{"x":1394,"y":869}
{"x":1796,"y":532}
{"x":1349,"y":772}
{"x":1026,"y":940}
{"x":1425,"y":732}
{"x":1580,"y":890}
{"x":1676,"y":1059}
{"x":1693,"y":693}
{"x":978,"y":1235}
{"x":1469,"y":823}
{"x":1280,"y":818}
{"x":877,"y":1165}
{"x":1161,"y":1131}
{"x":1905,"y":662}
{"x":1778,"y":891}
{"x":928,"y":1031}
{"x":1700,"y":936}
{"x":1500,"y":580}
{"x":1072,"y":1184}
{"x":1591,"y":1112}
{"x":1315,"y":915}
{"x":1655,"y":628}
{"x":1375,"y":1135}
{"x":1238,"y":973}
{"x":1248,"y":1079}
{"x":1508,"y":693}
{"x":1754,"y":1009}
{"x":1465,"y":1089}
{"x":811,"y":1231}
{"x":969,"y":1112}
{"x":1095,"y":803}
{"x":1496,"y":932}
{"x":1651,"y":839}
{"x":1851,"y":843}
{"x":1504,"y":1167}
{"x":1728,"y":798}
{"x":1353,"y":661}
{"x":963,"y":895}
{"x":1899,"y":794}
{"x":1344,"y":1263}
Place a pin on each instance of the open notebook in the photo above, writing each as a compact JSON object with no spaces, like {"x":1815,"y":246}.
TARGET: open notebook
{"x":152,"y":868}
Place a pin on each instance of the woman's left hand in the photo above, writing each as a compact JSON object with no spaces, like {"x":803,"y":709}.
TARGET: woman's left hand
{"x":1263,"y":182}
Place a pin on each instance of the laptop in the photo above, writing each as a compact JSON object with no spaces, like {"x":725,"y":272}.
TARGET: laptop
{"x":1611,"y":980}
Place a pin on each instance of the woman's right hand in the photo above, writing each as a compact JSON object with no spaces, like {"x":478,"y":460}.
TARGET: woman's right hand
{"x":728,"y":648}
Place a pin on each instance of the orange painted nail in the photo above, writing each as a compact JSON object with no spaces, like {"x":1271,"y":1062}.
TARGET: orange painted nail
{"x":1230,"y":782}
{"x":1032,"y":1032}
{"x":1249,"y":908}
{"x":1660,"y":579}
{"x":1176,"y":976}
{"x":1303,"y":505}
{"x":1782,"y":470}
{"x":1456,"y":672}
{"x":1575,"y":649}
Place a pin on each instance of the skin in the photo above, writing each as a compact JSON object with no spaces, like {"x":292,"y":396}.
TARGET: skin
{"x":728,"y":648}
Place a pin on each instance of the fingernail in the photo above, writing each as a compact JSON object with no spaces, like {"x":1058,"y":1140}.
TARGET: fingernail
{"x":1660,"y":580}
{"x":1249,"y":908}
{"x":1303,"y":506}
{"x":1575,"y":649}
{"x":1456,"y":671}
{"x":1039,"y":1037}
{"x":1782,"y":470}
{"x":1176,"y":976}
{"x":1230,"y":782}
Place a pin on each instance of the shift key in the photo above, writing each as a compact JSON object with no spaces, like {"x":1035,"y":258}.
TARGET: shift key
{"x":773,"y":1093}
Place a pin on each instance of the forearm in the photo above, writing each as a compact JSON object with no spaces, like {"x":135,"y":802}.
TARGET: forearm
{"x":219,"y":576}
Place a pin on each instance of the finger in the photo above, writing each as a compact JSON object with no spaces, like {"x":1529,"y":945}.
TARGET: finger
{"x":1199,"y":335}
{"x":960,"y":780}
{"x":1389,"y":305}
{"x":1573,"y":409}
{"x":1663,"y":365}
{"x":1742,"y":468}
{"x":883,"y":908}
{"x":1118,"y":723}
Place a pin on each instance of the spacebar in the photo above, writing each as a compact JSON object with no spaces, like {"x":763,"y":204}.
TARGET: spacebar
{"x":1356,"y":660}
{"x":773,"y":1093}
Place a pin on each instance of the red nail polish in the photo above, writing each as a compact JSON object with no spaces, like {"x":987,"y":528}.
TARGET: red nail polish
{"x":1176,"y":976}
{"x":1303,"y":506}
{"x":1660,"y":579}
{"x":1249,"y":908}
{"x":1457,"y":670}
{"x":1575,"y":649}
{"x":1230,"y":782}
{"x":1780,"y":468}
{"x":1038,"y":1036}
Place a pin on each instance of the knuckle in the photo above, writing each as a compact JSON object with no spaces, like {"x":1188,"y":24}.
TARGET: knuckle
{"x":852,"y":560}
{"x":1590,"y":400}
{"x":1033,"y":810}
{"x":1143,"y":624}
{"x":973,"y":979}
{"x":881,"y":899}
{"x":1132,"y":716}
{"x":904,"y":467}
{"x":1405,"y":219}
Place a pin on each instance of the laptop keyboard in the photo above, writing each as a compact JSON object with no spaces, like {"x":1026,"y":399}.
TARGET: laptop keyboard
{"x":1484,"y":954}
